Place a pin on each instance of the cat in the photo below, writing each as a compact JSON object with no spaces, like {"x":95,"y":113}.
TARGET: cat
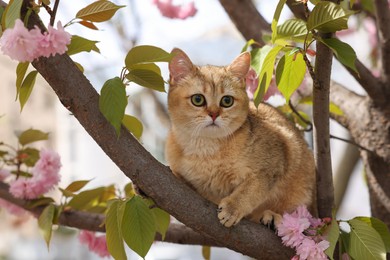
{"x":251,"y":162}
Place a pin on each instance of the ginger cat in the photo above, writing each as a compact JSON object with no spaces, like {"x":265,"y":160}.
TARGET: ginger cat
{"x":250,"y":162}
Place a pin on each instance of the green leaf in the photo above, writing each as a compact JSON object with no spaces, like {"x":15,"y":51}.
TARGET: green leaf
{"x":344,"y":241}
{"x":45,"y":222}
{"x":43,"y":201}
{"x":79,"y":44}
{"x":32,"y":135}
{"x":146,"y":54}
{"x":86,"y":199}
{"x":129,"y":190}
{"x":368,"y":5}
{"x":258,"y":56}
{"x":163,"y":219}
{"x":332,"y":237}
{"x":248,"y":44}
{"x":365,"y":241}
{"x":113,"y":231}
{"x":206,"y":252}
{"x":113,"y":101}
{"x":99,"y":11}
{"x":29,"y":156}
{"x":328,"y":17}
{"x":26,"y":88}
{"x":344,"y":52}
{"x":147,"y":66}
{"x":138,"y":226}
{"x":275,"y":20}
{"x":265,"y":75}
{"x":290,"y":72}
{"x":293,"y":29}
{"x":79,"y":66}
{"x":21,"y":70}
{"x":133,"y":125}
{"x":147,"y":79}
{"x":380,"y":227}
{"x":77,"y":185}
{"x":11,"y":13}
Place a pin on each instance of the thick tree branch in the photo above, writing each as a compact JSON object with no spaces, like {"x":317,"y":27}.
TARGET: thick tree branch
{"x":247,"y":19}
{"x":383,"y":21}
{"x":323,"y":65}
{"x":349,"y":102}
{"x":177,"y":233}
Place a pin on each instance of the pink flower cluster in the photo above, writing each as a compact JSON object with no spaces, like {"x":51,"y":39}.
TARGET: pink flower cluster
{"x":23,"y":45}
{"x":168,"y":9}
{"x":95,"y":243}
{"x":300,"y":230}
{"x":45,"y":175}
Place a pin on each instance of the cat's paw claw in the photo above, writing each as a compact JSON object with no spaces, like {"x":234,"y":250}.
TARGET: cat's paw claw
{"x":271,"y":219}
{"x":228,"y":215}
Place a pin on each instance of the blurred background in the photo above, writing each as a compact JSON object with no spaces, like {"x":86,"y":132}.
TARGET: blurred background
{"x":208,"y":38}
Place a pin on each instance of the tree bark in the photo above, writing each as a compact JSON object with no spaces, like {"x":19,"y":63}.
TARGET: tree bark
{"x":325,"y":190}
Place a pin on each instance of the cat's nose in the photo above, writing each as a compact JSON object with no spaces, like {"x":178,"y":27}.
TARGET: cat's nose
{"x":214,"y":115}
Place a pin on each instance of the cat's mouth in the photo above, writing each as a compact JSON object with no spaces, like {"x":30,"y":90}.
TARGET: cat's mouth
{"x":213,"y":124}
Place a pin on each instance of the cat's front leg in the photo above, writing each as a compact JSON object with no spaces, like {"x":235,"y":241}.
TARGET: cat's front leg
{"x":241,"y":202}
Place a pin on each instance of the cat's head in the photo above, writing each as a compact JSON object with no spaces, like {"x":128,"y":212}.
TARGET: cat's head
{"x":207,"y":101}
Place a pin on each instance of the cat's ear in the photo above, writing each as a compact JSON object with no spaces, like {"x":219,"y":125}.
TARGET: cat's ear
{"x":180,"y":66}
{"x":240,"y":65}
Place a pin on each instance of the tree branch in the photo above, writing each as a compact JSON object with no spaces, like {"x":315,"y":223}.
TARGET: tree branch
{"x":177,"y":233}
{"x":325,"y":195}
{"x":383,"y":21}
{"x":349,"y":102}
{"x":246,"y":18}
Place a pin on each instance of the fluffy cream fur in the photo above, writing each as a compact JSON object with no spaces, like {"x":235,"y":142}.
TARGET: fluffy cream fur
{"x":250,"y":162}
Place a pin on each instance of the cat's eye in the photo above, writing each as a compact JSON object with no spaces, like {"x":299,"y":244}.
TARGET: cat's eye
{"x":198,"y":100}
{"x":227,"y":101}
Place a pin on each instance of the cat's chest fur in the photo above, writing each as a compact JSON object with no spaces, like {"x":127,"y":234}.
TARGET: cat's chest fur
{"x":210,"y":168}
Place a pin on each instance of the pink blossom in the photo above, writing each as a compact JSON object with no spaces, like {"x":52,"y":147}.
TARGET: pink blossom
{"x":291,"y":229}
{"x":311,"y":250}
{"x":97,"y":244}
{"x":4,"y":174}
{"x":172,"y":11}
{"x":49,"y":163}
{"x":18,"y":43}
{"x":54,"y":41}
{"x":24,"y":45}
{"x":45,"y":175}
{"x":12,"y":208}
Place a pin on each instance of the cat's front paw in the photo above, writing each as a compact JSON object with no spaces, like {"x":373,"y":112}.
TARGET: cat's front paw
{"x":228,"y":213}
{"x":270,"y":218}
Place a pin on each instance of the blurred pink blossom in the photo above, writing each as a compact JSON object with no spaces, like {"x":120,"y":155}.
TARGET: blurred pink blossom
{"x":168,"y":9}
{"x":23,"y":45}
{"x":311,"y":250}
{"x":291,"y":229}
{"x":45,"y":175}
{"x":300,"y":230}
{"x":18,"y":43}
{"x":12,"y":208}
{"x":95,"y":243}
{"x":4,"y":174}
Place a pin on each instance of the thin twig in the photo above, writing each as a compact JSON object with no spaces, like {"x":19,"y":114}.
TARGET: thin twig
{"x":54,"y":13}
{"x":308,"y":122}
{"x":350,"y":142}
